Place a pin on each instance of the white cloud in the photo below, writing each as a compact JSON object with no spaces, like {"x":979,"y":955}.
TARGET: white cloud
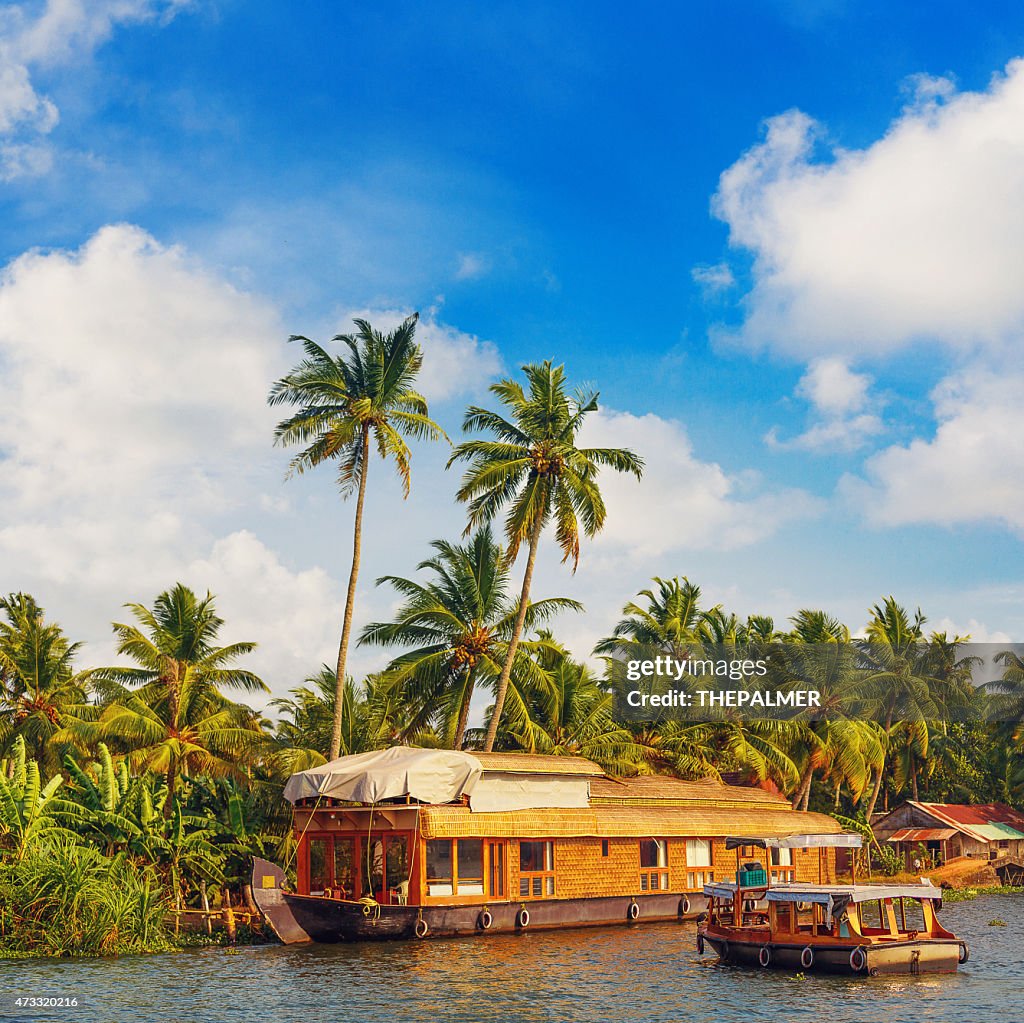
{"x":136,"y":451}
{"x":833,"y":388}
{"x":65,"y":31}
{"x":294,"y":615}
{"x":978,"y":632}
{"x":972,"y":469}
{"x":681,"y":503}
{"x":454,"y":362}
{"x":132,"y":417}
{"x":839,"y":399}
{"x":918,"y":235}
{"x":472,"y":265}
{"x":713,"y":279}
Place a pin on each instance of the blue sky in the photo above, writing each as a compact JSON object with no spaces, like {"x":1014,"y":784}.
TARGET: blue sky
{"x":781,"y":238}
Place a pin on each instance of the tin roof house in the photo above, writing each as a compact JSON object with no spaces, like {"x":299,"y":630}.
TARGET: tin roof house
{"x":990,"y":831}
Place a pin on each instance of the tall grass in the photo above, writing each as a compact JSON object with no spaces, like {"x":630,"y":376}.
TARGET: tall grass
{"x":65,"y":900}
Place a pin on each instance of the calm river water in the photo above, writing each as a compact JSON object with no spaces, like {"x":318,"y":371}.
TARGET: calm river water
{"x":646,"y":974}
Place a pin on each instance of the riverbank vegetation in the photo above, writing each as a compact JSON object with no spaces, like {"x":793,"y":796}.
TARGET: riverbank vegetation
{"x":132,"y":792}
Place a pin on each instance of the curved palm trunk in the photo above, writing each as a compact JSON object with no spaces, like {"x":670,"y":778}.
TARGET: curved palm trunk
{"x":513,"y":644}
{"x":350,"y":600}
{"x":881,"y":769}
{"x":460,"y":728}
{"x":804,"y":788}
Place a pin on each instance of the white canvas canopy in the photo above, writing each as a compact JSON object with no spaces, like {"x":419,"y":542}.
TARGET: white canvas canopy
{"x":427,"y":775}
{"x":843,"y":840}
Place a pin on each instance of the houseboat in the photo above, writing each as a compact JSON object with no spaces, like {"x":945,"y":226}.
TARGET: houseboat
{"x":416,"y":843}
{"x":865,"y":930}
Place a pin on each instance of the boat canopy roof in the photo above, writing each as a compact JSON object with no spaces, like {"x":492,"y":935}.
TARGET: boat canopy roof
{"x":427,"y":775}
{"x":829,"y":894}
{"x":844,"y":840}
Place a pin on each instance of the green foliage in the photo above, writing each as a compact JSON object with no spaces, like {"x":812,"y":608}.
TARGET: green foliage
{"x":458,"y":625}
{"x":28,"y":808}
{"x":62,"y":899}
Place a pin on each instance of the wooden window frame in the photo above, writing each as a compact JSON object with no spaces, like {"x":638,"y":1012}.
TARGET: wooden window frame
{"x":455,"y":898}
{"x":542,"y":879}
{"x":654,"y":879}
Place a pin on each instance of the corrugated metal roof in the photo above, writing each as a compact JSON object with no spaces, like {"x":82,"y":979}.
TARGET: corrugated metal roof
{"x":662,"y":790}
{"x":623,"y":822}
{"x":975,"y":820}
{"x":537,"y":763}
{"x":998,"y":832}
{"x":921,"y":835}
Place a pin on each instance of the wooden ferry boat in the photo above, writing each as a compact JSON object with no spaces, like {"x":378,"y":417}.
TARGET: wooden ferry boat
{"x":864,"y":930}
{"x":411,"y":843}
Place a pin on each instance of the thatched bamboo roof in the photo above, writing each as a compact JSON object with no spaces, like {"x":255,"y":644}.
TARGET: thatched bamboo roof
{"x":661,"y":790}
{"x":660,"y":821}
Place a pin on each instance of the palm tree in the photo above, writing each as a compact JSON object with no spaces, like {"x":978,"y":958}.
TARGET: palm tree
{"x":567,"y":712}
{"x":345,"y":404}
{"x":38,"y":683}
{"x":459,"y":624}
{"x":176,"y":721}
{"x":374,"y":716}
{"x":535,"y":467}
{"x":672,"y":622}
{"x":896,"y":682}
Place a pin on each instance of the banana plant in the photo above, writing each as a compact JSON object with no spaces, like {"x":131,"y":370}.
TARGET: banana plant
{"x":29,"y":810}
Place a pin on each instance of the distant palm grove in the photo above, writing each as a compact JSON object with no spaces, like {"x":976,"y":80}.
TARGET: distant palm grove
{"x":132,"y":791}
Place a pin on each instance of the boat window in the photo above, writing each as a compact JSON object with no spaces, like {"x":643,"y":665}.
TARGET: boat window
{"x":782,"y":865}
{"x":397,"y":862}
{"x":653,"y":852}
{"x":870,"y":914}
{"x":440,"y":879}
{"x":604,"y":846}
{"x":470,"y":866}
{"x":653,"y":865}
{"x":696,"y":879}
{"x":536,"y":869}
{"x":784,"y":917}
{"x":497,"y":860}
{"x":317,"y":865}
{"x":373,"y":869}
{"x":914,"y":915}
{"x":698,"y":852}
{"x":344,"y":864}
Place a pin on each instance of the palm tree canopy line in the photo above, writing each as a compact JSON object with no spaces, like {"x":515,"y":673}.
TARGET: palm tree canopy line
{"x":347,"y":404}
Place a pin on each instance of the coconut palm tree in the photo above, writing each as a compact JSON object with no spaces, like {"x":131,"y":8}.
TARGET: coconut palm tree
{"x":174,"y":719}
{"x":458,"y":624}
{"x":38,"y":682}
{"x":347,"y":405}
{"x":896,"y":683}
{"x":670,"y":622}
{"x":374,"y":716}
{"x":567,"y":712}
{"x":535,"y":468}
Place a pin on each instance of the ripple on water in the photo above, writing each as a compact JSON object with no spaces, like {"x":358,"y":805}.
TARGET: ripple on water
{"x":587,"y":976}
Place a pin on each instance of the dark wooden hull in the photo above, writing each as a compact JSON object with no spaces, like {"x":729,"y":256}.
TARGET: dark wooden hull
{"x":923,"y":955}
{"x":333,"y":920}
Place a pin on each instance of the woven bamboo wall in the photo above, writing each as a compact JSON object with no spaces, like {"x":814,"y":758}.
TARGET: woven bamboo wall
{"x":581,"y":870}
